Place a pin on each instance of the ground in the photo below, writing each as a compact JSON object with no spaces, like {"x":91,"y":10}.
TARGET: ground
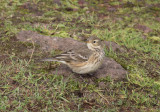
{"x":27,"y":85}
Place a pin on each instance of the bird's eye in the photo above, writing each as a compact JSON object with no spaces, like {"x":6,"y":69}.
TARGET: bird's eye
{"x":94,"y":41}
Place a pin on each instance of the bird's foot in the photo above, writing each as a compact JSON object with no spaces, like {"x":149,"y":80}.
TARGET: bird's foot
{"x":89,"y":75}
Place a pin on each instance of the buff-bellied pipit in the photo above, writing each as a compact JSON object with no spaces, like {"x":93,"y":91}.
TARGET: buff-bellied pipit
{"x":84,"y":60}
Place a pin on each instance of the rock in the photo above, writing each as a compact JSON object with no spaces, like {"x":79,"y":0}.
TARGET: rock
{"x":48,"y":43}
{"x":109,"y":68}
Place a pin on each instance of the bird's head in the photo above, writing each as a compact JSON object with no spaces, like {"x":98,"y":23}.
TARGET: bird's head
{"x":95,"y":43}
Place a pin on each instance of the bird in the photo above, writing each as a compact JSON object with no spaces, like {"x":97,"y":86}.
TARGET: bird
{"x":85,"y":59}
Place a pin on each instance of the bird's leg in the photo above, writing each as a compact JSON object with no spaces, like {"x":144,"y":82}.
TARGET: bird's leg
{"x":49,"y":66}
{"x":91,"y":74}
{"x":88,"y":75}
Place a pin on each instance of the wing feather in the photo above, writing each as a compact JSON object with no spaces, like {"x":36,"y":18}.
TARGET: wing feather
{"x":80,"y":54}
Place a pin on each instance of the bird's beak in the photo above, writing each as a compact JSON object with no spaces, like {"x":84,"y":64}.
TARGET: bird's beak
{"x":86,"y":41}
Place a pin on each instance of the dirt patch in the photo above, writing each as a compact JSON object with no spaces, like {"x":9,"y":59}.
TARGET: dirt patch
{"x":158,"y":19}
{"x":143,"y":28}
{"x":32,"y":8}
{"x":4,"y":58}
{"x":114,"y":46}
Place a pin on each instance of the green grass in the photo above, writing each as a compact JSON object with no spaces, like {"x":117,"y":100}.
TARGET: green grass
{"x":28,"y":86}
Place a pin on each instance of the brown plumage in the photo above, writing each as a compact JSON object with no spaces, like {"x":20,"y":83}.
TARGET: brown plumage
{"x":84,"y":60}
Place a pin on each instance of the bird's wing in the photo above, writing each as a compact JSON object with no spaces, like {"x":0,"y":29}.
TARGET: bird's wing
{"x":73,"y":55}
{"x":83,"y":53}
{"x":79,"y":54}
{"x":64,"y":57}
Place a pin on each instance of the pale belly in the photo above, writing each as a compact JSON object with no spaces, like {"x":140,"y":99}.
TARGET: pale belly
{"x":88,"y":68}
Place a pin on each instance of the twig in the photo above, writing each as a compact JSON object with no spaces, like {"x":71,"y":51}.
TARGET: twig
{"x":102,"y":96}
{"x":32,"y":52}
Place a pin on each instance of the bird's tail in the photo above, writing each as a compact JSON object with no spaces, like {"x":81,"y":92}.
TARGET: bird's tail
{"x":49,"y":59}
{"x":54,"y":59}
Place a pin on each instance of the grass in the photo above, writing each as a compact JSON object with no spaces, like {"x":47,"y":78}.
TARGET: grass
{"x":27,"y":86}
